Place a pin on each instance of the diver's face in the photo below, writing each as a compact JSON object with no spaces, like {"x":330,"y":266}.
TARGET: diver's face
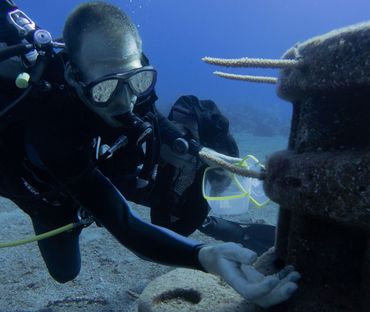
{"x":99,"y":57}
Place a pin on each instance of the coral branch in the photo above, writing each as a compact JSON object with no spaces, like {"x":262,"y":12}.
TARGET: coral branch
{"x":251,"y":62}
{"x":260,"y":79}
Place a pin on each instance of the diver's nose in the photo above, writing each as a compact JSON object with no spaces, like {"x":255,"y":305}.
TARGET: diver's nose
{"x":125,"y":100}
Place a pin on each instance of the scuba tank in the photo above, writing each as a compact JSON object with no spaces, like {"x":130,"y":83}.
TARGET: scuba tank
{"x":25,"y":52}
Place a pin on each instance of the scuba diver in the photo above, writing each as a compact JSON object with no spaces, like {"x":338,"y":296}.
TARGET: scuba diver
{"x":84,"y":137}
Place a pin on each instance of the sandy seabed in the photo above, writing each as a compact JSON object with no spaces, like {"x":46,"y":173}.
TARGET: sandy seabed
{"x":110,"y":275}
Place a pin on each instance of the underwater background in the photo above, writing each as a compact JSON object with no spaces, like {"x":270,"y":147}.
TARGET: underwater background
{"x":178,"y":33}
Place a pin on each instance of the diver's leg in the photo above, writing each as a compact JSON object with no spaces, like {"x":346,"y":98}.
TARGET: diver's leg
{"x":61,"y":253}
{"x":180,"y":213}
{"x":194,"y":211}
{"x":161,"y":198}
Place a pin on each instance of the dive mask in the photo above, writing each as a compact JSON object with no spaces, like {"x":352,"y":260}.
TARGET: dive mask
{"x":100,"y":92}
{"x":230,"y":194}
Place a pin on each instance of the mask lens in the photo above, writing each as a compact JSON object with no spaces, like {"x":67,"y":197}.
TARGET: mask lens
{"x":224,"y":193}
{"x":103,"y":90}
{"x":220,"y":184}
{"x":142,"y":82}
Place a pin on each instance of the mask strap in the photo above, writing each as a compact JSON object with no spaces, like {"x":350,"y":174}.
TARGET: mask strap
{"x":144,"y":60}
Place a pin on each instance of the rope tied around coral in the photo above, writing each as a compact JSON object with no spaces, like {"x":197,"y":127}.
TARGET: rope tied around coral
{"x":213,"y":158}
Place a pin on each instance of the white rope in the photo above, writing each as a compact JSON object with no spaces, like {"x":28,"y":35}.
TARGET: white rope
{"x":212,"y":158}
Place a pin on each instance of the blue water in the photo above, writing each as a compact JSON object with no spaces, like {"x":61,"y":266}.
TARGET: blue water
{"x":178,"y":33}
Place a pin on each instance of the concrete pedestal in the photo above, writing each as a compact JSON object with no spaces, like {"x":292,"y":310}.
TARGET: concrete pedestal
{"x":322,"y":182}
{"x":184,"y":290}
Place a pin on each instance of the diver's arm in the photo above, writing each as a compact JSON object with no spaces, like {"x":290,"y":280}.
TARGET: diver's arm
{"x":168,"y":130}
{"x":97,"y":194}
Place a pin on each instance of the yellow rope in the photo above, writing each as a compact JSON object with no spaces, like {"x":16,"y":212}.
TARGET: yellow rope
{"x":259,"y":79}
{"x":51,"y":233}
{"x":251,"y":62}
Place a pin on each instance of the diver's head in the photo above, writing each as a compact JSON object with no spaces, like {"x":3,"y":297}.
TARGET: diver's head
{"x":106,"y":67}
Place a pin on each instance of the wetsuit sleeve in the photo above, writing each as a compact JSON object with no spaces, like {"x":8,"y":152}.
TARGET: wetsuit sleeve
{"x":97,"y":194}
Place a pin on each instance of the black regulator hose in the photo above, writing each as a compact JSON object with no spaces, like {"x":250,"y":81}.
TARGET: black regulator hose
{"x":18,"y":49}
{"x":38,"y":70}
{"x":176,"y":139}
{"x":170,"y":132}
{"x":36,"y":75}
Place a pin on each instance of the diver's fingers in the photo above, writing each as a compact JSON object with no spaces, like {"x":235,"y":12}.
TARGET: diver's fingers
{"x":251,"y":291}
{"x":283,"y":290}
{"x":234,"y":252}
{"x":285,"y":271}
{"x":278,"y":295}
{"x":293,"y":276}
{"x":251,"y":273}
{"x":261,"y":288}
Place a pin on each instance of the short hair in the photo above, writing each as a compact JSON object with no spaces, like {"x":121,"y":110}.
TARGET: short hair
{"x":101,"y":16}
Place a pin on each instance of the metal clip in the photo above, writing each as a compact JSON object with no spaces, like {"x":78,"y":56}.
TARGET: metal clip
{"x":21,"y":22}
{"x":104,"y":150}
{"x":84,"y":217}
{"x":120,"y":142}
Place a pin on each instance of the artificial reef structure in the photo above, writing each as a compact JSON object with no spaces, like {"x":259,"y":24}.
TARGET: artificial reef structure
{"x":322,"y":180}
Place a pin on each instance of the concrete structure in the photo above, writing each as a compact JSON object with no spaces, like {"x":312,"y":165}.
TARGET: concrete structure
{"x":184,"y":290}
{"x":322,"y":182}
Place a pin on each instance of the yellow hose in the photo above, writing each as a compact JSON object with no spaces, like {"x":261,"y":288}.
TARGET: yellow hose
{"x":51,"y":233}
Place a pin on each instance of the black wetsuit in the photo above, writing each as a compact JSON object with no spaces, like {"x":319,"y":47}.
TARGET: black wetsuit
{"x":46,"y":168}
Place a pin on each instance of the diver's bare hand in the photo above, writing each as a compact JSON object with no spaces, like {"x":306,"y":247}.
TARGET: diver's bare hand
{"x":227,"y":261}
{"x":233,"y":264}
{"x":281,"y":292}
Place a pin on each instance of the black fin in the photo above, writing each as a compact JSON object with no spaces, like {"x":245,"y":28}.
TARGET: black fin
{"x":257,"y":237}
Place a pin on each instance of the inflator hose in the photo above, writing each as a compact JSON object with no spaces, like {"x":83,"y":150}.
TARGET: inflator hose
{"x":18,"y":49}
{"x":36,"y":75}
